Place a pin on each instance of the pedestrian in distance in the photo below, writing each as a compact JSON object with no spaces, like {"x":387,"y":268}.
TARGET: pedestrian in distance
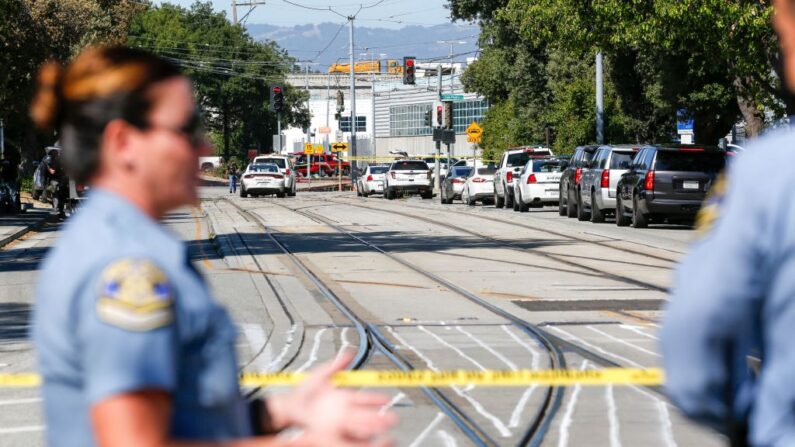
{"x":231,"y":173}
{"x":733,"y":301}
{"x":58,"y":182}
{"x":131,"y":346}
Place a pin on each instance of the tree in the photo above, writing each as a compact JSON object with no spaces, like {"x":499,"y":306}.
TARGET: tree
{"x":232,"y":73}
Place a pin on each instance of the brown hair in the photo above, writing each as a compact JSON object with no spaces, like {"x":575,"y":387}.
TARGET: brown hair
{"x":100,"y":85}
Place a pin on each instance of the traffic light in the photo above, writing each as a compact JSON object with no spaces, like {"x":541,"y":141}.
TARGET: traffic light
{"x":277,"y":99}
{"x":448,"y":115}
{"x":427,"y":120}
{"x":409,"y":76}
{"x":439,"y":116}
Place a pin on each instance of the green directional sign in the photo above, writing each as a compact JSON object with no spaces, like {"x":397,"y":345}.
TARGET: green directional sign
{"x":452,"y":97}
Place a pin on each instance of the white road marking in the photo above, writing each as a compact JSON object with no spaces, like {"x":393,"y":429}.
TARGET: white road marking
{"x":446,"y":438}
{"x":638,"y":330}
{"x":20,"y":401}
{"x":624,"y":342}
{"x":256,"y":341}
{"x":475,"y":404}
{"x":28,"y":429}
{"x":578,"y":340}
{"x":398,"y":397}
{"x":493,"y":351}
{"x":313,"y":354}
{"x":424,"y":434}
{"x":666,"y":425}
{"x":516,"y":415}
{"x":345,"y":342}
{"x":288,"y":342}
{"x":612,"y":417}
{"x":457,"y":351}
{"x":568,"y":416}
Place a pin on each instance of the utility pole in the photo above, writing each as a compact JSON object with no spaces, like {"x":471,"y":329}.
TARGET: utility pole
{"x":372,"y":123}
{"x":2,"y":139}
{"x":251,"y":4}
{"x":600,"y":101}
{"x":354,"y":165}
{"x":437,"y":165}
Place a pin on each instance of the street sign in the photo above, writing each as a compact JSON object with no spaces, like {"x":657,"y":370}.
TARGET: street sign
{"x":318,"y":149}
{"x":252,"y":154}
{"x":474,"y":133}
{"x":339,"y":147}
{"x":452,"y":97}
{"x":309,"y":149}
{"x":324,"y":130}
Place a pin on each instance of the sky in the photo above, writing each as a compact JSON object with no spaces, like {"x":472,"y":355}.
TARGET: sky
{"x":388,"y":14}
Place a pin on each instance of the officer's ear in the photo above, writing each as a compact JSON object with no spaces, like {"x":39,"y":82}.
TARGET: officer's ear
{"x":117,"y":144}
{"x":784,"y":24}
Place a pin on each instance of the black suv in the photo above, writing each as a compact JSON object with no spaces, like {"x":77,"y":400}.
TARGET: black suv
{"x":567,"y":199}
{"x":666,"y":182}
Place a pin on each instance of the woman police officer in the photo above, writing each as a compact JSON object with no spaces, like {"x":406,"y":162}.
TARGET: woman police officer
{"x":132,"y":348}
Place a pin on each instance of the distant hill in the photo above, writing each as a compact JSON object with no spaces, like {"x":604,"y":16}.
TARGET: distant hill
{"x":305,"y":41}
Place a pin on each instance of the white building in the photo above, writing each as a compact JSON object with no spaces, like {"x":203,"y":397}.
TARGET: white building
{"x":397,"y":112}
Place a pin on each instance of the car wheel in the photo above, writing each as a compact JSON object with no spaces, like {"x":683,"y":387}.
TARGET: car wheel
{"x":621,"y":217}
{"x":426,"y":195}
{"x":581,"y":214}
{"x":638,"y":219}
{"x":508,"y":198}
{"x":597,"y":216}
{"x":390,"y":194}
{"x":471,"y":201}
{"x":571,"y":207}
{"x":280,"y":194}
{"x":561,"y":204}
{"x":441,"y":197}
{"x":243,"y":192}
{"x":522,"y":207}
{"x":498,"y":202}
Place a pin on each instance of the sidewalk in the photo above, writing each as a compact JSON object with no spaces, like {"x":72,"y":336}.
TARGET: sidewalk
{"x":15,"y":226}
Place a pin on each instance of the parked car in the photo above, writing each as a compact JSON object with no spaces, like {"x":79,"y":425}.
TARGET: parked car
{"x":316,"y":167}
{"x":286,"y":167}
{"x":408,"y":176}
{"x":453,"y":184}
{"x":570,"y":180}
{"x":479,"y":186}
{"x":512,"y":161}
{"x":262,"y":179}
{"x":666,"y":183}
{"x":334,"y":163}
{"x":537,"y":184}
{"x":209,"y":163}
{"x":596,"y":196}
{"x":372,"y":180}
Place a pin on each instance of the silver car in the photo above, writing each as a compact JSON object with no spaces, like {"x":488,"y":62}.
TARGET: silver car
{"x":453,"y":184}
{"x":286,"y":167}
{"x":371,"y":180}
{"x":597,"y":191}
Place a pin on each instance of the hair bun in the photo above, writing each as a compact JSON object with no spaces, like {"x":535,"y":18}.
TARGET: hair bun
{"x":45,"y":109}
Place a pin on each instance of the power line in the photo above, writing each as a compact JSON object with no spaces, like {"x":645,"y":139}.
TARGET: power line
{"x":331,"y":42}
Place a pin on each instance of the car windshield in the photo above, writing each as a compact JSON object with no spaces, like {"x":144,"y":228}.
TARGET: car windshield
{"x":707,"y":162}
{"x":409,"y":165}
{"x":460,"y":172}
{"x":548,"y":166}
{"x":276,"y":161}
{"x":378,"y":169}
{"x":621,"y":160}
{"x":486,"y":171}
{"x":263,"y":168}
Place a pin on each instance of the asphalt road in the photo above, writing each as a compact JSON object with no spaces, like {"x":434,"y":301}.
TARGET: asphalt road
{"x":275,"y":262}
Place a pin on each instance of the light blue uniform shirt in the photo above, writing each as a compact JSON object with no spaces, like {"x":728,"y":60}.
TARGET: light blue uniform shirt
{"x":734,"y":295}
{"x":120,"y":308}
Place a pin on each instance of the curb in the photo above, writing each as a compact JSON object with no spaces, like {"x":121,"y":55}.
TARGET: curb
{"x":25,"y":230}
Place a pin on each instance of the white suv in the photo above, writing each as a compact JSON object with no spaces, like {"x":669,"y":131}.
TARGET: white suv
{"x":408,"y":176}
{"x":286,"y":167}
{"x":511,"y":163}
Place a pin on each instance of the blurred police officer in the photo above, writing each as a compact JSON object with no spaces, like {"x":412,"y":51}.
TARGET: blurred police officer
{"x":132,"y":348}
{"x":734,"y":295}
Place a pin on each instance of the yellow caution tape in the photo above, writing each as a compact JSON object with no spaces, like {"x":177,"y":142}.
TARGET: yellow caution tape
{"x":433,"y":379}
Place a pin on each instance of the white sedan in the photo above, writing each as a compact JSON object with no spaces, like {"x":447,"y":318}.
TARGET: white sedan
{"x":479,"y":186}
{"x":371,"y":181}
{"x":538,"y":184}
{"x":262,"y":179}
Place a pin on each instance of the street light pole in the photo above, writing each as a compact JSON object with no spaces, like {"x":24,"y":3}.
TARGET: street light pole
{"x":354,"y":165}
{"x":600,"y":101}
{"x":2,"y":139}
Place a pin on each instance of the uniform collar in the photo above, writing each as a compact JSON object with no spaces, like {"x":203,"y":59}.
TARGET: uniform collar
{"x":135,"y":224}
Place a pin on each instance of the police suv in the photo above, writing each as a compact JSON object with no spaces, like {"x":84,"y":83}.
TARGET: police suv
{"x":511,"y":163}
{"x":408,"y":176}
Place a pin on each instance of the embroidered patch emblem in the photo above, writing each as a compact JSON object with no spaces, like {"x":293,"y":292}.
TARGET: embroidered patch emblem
{"x":134,"y":294}
{"x":710,"y":210}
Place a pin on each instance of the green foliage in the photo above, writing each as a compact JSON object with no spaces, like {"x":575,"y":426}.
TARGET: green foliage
{"x":714,"y":58}
{"x":232,"y":73}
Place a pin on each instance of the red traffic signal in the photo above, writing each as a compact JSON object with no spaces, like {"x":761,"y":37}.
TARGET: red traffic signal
{"x":408,"y":70}
{"x":439,"y":115}
{"x":277,"y":89}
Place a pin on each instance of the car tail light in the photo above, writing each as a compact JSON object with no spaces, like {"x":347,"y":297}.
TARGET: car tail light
{"x":649,"y":183}
{"x":509,"y":177}
{"x":369,"y":178}
{"x":273,"y":175}
{"x":532,"y":179}
{"x":577,"y":176}
{"x":606,"y":178}
{"x":456,"y":180}
{"x":287,"y":172}
{"x":392,"y":174}
{"x":478,"y":180}
{"x":248,"y":176}
{"x":691,"y":149}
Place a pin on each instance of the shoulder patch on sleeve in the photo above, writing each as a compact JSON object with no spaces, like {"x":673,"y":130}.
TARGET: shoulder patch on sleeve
{"x":710,"y":210}
{"x":134,"y":294}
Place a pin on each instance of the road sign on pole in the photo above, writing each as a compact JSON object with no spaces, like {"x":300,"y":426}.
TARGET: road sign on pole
{"x":452,"y":97}
{"x":339,"y":147}
{"x":474,"y":133}
{"x":309,"y":149}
